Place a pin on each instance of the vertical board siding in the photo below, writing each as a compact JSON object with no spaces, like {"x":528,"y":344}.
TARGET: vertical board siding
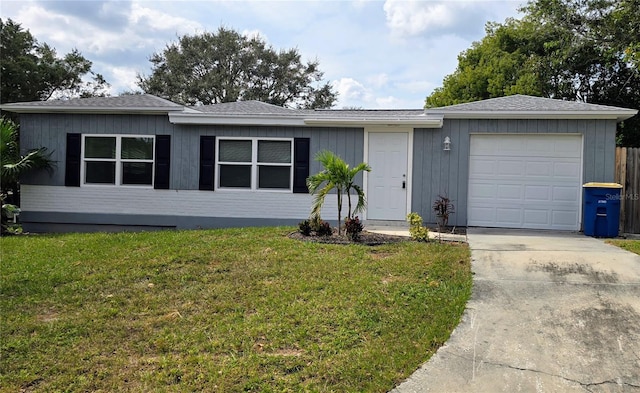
{"x":49,"y":130}
{"x":436,"y":171}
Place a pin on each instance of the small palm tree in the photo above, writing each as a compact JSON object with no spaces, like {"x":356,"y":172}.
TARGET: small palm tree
{"x":338,"y":175}
{"x":13,"y":165}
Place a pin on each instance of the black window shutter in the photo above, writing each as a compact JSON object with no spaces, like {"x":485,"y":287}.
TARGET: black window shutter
{"x":163,"y":162}
{"x":73,"y":160}
{"x":207,"y":162}
{"x":300,"y":165}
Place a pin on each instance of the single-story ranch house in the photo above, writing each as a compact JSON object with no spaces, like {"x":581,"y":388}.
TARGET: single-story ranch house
{"x":142,"y":162}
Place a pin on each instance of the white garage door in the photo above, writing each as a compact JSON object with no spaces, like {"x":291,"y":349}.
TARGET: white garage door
{"x":525,"y":181}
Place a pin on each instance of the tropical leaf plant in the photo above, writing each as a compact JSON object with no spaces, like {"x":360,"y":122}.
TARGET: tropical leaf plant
{"x":339,"y":176}
{"x":13,"y":165}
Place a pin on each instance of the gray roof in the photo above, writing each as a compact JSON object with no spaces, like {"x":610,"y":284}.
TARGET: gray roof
{"x":256,"y":112}
{"x":262,"y":108}
{"x":246,"y":107}
{"x":123,"y":103}
{"x":367,"y":113}
{"x":524,"y":103}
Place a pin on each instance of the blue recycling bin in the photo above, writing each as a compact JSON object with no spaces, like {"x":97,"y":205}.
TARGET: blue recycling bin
{"x":601,"y":215}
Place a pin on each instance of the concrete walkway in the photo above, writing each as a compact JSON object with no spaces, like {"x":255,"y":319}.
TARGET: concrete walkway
{"x":398,"y":231}
{"x":550,"y":312}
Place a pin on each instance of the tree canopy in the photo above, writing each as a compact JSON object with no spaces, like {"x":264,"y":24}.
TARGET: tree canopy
{"x":585,"y":50}
{"x":32,"y":71}
{"x":226,"y":66}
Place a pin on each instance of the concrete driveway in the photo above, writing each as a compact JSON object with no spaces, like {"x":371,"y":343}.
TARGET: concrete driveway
{"x":550,"y":312}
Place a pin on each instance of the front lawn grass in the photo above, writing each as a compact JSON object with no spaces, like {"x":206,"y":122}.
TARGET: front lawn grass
{"x":629,"y":245}
{"x":222,"y":310}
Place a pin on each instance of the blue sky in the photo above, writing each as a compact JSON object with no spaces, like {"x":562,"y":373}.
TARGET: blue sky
{"x":377,"y":54}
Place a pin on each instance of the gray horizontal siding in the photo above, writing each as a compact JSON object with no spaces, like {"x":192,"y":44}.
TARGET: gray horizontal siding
{"x":49,"y":130}
{"x":439,"y":172}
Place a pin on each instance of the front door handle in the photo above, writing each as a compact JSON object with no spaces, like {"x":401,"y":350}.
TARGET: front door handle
{"x":404,"y":184}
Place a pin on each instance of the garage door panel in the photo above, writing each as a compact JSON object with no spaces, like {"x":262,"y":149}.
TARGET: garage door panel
{"x":565,"y":194}
{"x":485,"y":167}
{"x":537,"y":217}
{"x":482,"y":191}
{"x":525,"y":181}
{"x":537,"y":193}
{"x":508,"y":216}
{"x":506,"y":192}
{"x":536,"y":168}
{"x":565,"y":147}
{"x":510,"y":168}
{"x":570,"y":170}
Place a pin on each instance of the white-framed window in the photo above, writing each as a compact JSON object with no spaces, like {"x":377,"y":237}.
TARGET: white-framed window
{"x":254,"y":163}
{"x":120,"y":160}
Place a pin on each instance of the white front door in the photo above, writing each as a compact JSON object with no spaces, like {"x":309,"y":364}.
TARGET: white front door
{"x":387,"y":182}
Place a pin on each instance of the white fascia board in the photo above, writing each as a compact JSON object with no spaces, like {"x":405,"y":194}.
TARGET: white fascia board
{"x":604,"y":115}
{"x":228,"y":119}
{"x":431,"y":122}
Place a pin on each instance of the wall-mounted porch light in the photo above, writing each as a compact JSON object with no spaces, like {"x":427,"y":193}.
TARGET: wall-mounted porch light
{"x":447,"y":144}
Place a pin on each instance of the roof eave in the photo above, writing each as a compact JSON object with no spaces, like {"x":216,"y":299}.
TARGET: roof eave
{"x":359,"y":122}
{"x":603,"y":115}
{"x":89,"y":110}
{"x":231,"y":119}
{"x":300,"y":120}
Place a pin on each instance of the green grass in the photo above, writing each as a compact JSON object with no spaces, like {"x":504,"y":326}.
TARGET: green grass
{"x":222,"y":310}
{"x":629,"y":245}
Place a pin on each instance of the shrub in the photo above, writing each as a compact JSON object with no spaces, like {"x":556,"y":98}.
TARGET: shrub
{"x":324,"y":229}
{"x":418,"y":231}
{"x":305,"y":227}
{"x":353,"y":227}
{"x":443,"y":207}
{"x":315,"y":222}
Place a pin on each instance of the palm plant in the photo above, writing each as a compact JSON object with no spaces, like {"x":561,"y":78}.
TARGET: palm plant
{"x":336,"y":174}
{"x":13,"y":164}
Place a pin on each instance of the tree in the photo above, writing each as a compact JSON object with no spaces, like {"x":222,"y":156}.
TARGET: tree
{"x":226,"y":66}
{"x":13,"y":164}
{"x":585,"y":50}
{"x":30,"y":71}
{"x":336,"y":174}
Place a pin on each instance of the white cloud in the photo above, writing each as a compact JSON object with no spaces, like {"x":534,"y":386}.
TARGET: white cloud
{"x":411,"y":17}
{"x":378,"y":80}
{"x":125,"y":79}
{"x":350,"y":90}
{"x":387,"y":102}
{"x":406,"y":18}
{"x":160,"y":21}
{"x":255,"y":33}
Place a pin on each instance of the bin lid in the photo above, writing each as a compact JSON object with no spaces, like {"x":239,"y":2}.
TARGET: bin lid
{"x":602,"y":185}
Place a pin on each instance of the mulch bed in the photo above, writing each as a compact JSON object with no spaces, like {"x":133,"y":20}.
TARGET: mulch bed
{"x":366,"y":238}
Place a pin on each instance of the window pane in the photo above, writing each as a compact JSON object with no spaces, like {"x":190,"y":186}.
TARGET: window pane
{"x":137,"y":173}
{"x":100,"y":172}
{"x":274,"y":176}
{"x":235,"y":151}
{"x":137,"y":148}
{"x":99,"y":147}
{"x":274,"y":151}
{"x":235,"y":176}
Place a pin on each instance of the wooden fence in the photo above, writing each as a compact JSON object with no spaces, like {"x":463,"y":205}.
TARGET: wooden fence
{"x":628,"y":174}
